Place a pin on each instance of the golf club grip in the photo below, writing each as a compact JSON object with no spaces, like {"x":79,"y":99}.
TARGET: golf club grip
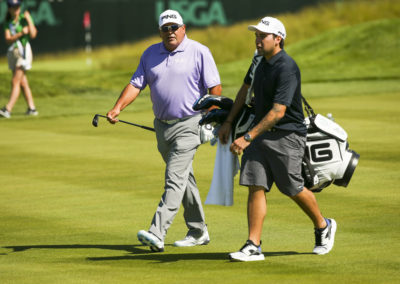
{"x":141,"y":126}
{"x":134,"y":124}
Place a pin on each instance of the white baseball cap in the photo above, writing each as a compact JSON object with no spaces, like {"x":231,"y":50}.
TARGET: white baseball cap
{"x":170,"y":16}
{"x":270,"y":25}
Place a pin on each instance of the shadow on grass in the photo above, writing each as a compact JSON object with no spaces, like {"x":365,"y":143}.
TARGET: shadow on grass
{"x":128,"y":248}
{"x":165,"y":257}
{"x":141,"y":252}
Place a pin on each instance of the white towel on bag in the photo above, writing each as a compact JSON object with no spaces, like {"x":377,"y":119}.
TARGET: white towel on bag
{"x":226,"y":166}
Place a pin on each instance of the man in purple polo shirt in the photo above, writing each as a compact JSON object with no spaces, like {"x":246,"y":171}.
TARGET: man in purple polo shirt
{"x":178,"y":71}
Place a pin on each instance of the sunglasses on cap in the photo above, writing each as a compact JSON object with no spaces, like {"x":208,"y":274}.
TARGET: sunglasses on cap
{"x":170,"y":28}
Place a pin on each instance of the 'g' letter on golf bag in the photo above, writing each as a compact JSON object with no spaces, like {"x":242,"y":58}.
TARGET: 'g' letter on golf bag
{"x":327,"y":158}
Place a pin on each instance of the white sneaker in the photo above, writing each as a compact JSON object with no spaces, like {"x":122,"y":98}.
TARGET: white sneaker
{"x":32,"y":112}
{"x":5,"y":113}
{"x":149,"y":239}
{"x":249,"y":252}
{"x":325,"y":238}
{"x":190,"y":241}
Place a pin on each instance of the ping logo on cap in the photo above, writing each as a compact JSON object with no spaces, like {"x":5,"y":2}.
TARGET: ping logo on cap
{"x":265,"y":22}
{"x":169,"y":16}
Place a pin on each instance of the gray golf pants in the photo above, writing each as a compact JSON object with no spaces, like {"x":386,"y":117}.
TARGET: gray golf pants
{"x":177,"y":144}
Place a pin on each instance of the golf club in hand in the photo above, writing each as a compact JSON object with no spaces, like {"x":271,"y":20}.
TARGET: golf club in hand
{"x":95,"y":122}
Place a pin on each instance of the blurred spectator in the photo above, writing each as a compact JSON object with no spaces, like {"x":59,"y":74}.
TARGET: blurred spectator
{"x":18,"y":30}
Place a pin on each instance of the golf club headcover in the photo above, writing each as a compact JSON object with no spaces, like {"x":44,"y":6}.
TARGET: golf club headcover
{"x":214,"y":116}
{"x":207,"y":101}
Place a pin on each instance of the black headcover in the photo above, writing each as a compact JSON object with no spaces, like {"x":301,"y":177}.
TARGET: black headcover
{"x":208,"y":101}
{"x":217,"y":116}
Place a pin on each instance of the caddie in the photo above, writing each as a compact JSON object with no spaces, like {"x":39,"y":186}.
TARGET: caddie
{"x":274,"y":148}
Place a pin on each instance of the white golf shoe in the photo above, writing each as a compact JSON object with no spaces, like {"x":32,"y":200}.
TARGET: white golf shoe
{"x":249,"y":252}
{"x":190,"y":240}
{"x":31,"y":112}
{"x":149,"y":239}
{"x":325,"y":238}
{"x":5,"y":113}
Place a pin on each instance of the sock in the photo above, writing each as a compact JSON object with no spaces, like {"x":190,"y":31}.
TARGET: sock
{"x":327,"y":222}
{"x":251,"y":242}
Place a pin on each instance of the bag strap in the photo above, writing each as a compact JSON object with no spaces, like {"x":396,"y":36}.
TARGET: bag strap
{"x":308,"y":108}
{"x":254,"y":64}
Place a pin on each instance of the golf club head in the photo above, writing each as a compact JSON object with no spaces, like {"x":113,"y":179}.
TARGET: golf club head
{"x":95,"y":120}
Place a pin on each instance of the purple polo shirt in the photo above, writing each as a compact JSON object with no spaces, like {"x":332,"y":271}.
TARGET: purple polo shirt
{"x":176,"y":79}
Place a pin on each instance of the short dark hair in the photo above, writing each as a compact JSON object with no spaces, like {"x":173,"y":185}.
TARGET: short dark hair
{"x":281,"y":43}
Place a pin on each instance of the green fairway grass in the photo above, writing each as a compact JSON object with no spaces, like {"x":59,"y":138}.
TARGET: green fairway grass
{"x":73,"y":197}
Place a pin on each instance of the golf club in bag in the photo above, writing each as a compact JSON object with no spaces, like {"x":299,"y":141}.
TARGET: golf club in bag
{"x":243,"y":122}
{"x":327,"y":158}
{"x":95,"y":122}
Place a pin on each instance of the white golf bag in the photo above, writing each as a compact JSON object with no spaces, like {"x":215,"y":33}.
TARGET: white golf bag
{"x":327,"y":158}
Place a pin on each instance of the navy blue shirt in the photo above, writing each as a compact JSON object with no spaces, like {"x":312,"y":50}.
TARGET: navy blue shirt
{"x":278,"y":81}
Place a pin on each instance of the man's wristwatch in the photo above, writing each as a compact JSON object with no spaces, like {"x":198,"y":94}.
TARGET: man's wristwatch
{"x":247,"y":137}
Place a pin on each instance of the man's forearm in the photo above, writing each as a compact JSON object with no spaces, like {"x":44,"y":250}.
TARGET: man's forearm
{"x":216,"y":90}
{"x":271,"y":118}
{"x":127,"y":96}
